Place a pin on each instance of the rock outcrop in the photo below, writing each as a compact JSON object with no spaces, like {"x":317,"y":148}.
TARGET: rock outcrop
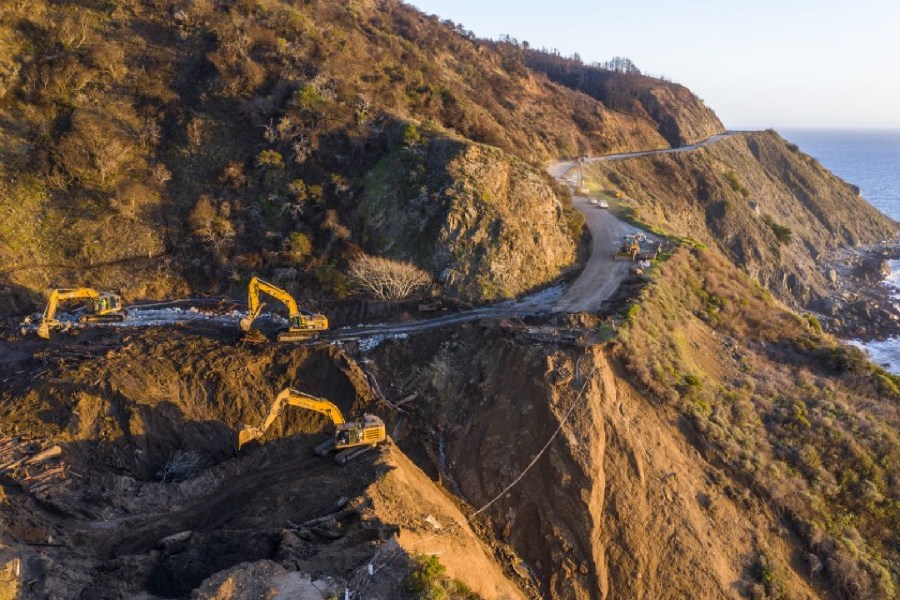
{"x":485,"y":224}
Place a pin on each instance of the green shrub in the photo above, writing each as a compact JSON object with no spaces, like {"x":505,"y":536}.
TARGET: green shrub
{"x":428,"y":581}
{"x":411,"y":135}
{"x":333,"y":280}
{"x":427,"y":575}
{"x":300,"y":245}
{"x":736,"y":185}
{"x":633,"y":311}
{"x":575,"y":223}
{"x":270,"y":158}
{"x":691,"y":381}
{"x":782,"y":233}
{"x":813,"y":322}
{"x":771,"y":575}
{"x":309,"y":100}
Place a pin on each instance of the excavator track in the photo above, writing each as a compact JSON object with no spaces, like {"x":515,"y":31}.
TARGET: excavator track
{"x":112,"y":318}
{"x":325,"y":448}
{"x":287,"y":336}
{"x":342,"y":458}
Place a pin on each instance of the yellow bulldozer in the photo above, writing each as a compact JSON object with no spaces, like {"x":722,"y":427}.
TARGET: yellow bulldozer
{"x":302,"y":324}
{"x":350,"y":439}
{"x":102,"y":307}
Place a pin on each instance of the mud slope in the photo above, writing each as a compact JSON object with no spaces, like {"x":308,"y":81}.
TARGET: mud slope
{"x":619,"y":506}
{"x":121,"y":477}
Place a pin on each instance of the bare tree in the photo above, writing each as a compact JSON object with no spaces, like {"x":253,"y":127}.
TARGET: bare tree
{"x":387,"y":279}
{"x":182,"y":466}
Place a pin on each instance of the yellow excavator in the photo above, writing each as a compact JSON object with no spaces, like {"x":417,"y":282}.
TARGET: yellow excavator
{"x":302,"y":324}
{"x":102,"y":307}
{"x":351,"y":438}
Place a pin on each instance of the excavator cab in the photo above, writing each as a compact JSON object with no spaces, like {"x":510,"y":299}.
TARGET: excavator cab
{"x":105,"y":304}
{"x":302,"y":326}
{"x":368,"y":429}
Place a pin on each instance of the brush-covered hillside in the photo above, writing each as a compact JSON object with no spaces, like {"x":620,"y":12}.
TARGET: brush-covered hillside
{"x":158,"y":148}
{"x":774,"y":211}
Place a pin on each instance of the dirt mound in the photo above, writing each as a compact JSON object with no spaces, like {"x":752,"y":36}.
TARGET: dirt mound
{"x":261,"y":580}
{"x":153,"y":498}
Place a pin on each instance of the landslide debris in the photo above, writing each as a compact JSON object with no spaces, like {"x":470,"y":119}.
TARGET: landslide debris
{"x":620,"y":504}
{"x":720,"y":446}
{"x":128,"y":481}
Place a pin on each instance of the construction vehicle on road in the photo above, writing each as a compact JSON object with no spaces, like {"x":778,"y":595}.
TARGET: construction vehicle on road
{"x":104,"y":307}
{"x":630,"y":248}
{"x":302,"y":324}
{"x":350,"y":439}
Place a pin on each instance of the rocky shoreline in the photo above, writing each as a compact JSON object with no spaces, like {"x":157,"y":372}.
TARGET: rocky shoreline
{"x":860,"y":304}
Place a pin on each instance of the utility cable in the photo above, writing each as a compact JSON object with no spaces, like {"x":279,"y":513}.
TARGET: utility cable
{"x":538,"y":455}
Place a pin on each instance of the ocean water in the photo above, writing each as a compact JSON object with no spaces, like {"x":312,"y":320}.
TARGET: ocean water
{"x":869,"y":159}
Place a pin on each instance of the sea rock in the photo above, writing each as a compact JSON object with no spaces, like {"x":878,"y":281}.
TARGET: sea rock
{"x":872,"y":268}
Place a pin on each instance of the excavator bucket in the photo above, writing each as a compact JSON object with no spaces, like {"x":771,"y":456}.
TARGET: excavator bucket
{"x":247,"y":435}
{"x":43,"y":330}
{"x":246,"y":322}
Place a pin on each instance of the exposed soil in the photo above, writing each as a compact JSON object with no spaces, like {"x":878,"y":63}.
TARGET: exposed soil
{"x":620,"y":504}
{"x":120,"y":519}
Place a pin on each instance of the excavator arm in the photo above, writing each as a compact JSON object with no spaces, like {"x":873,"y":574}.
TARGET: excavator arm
{"x":254,"y":306}
{"x":291,"y":397}
{"x":104,"y":307}
{"x":56,"y":296}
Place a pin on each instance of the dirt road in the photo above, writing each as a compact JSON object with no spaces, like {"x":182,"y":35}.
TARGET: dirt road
{"x":601,"y":275}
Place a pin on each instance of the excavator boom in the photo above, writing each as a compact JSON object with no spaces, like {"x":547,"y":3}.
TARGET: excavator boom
{"x":291,"y":397}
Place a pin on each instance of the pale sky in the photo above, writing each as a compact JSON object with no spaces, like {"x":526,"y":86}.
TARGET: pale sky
{"x":757,"y":63}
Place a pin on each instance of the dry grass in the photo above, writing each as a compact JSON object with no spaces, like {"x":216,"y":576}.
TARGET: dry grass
{"x":810,"y":423}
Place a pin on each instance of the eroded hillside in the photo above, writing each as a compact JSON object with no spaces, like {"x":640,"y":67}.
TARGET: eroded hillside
{"x":717,"y":445}
{"x":691,"y":438}
{"x":143,"y":491}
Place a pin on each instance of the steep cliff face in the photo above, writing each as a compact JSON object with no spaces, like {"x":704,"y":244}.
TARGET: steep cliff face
{"x":615,"y":504}
{"x":486,"y":225}
{"x":773,"y":210}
